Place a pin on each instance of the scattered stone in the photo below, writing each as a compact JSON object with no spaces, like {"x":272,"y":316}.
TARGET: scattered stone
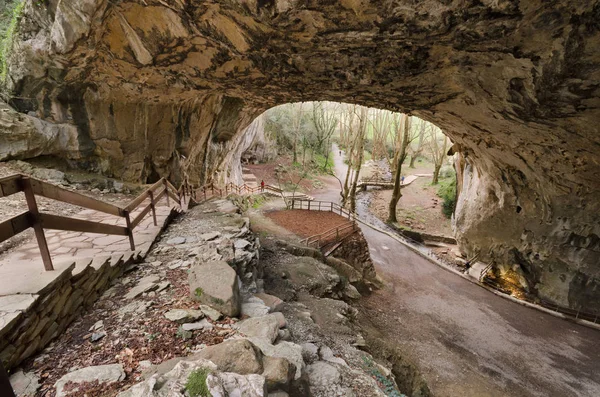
{"x":175,"y":241}
{"x":240,"y":244}
{"x":182,"y":316}
{"x":310,"y":352}
{"x":102,"y":373}
{"x":326,"y":354}
{"x":145,"y":284}
{"x":351,"y":292}
{"x":211,"y":313}
{"x":134,"y":307}
{"x":162,"y":286}
{"x":360,"y":341}
{"x":96,"y":336}
{"x":203,"y":324}
{"x":210,"y":236}
{"x":215,"y":284}
{"x":24,"y":383}
{"x":284,"y":334}
{"x":98,"y":325}
{"x":144,"y":364}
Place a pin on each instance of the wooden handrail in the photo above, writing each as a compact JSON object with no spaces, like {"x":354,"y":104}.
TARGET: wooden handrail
{"x":39,"y":221}
{"x":54,"y":192}
{"x":9,"y":185}
{"x":15,"y":225}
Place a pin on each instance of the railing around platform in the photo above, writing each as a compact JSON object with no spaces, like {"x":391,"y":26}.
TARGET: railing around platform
{"x":33,"y":218}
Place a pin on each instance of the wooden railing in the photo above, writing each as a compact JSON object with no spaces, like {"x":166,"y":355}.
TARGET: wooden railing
{"x":32,"y":218}
{"x":210,"y":190}
{"x":332,"y":235}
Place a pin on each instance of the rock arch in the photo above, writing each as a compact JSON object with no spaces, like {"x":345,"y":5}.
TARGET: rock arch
{"x":514,"y":83}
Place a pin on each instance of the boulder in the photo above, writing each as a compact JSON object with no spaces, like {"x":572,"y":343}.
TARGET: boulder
{"x":102,"y":373}
{"x":288,"y":350}
{"x":215,"y":284}
{"x":266,"y":327}
{"x":254,"y":307}
{"x":171,"y":382}
{"x":230,"y":384}
{"x":323,"y":376}
{"x":273,"y":302}
{"x":240,"y":356}
{"x":278,"y":372}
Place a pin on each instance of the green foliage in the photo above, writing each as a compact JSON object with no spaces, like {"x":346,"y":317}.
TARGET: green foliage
{"x":196,"y":383}
{"x":322,"y":163}
{"x":198,"y":292}
{"x":447,"y":191}
{"x":9,"y":19}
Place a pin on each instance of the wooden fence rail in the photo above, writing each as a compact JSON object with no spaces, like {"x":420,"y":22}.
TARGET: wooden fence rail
{"x":32,"y":218}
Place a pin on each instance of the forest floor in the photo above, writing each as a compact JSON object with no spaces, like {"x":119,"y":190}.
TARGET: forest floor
{"x":280,"y":173}
{"x":419,"y":208}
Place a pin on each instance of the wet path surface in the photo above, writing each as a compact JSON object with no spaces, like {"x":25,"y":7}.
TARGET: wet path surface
{"x":465,"y":340}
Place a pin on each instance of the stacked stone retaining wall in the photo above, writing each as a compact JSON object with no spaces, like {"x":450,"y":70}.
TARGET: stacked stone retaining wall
{"x":30,"y":321}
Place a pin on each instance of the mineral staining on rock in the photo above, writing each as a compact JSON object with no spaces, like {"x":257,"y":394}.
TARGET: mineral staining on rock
{"x":514,"y":84}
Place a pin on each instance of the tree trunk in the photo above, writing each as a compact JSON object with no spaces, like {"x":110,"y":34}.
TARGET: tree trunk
{"x":436,"y":174}
{"x":412,"y":161}
{"x":396,"y":194}
{"x":294,"y":148}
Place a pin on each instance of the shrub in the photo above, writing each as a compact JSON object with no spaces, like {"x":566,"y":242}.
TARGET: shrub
{"x":447,"y":191}
{"x":196,"y":383}
{"x":9,"y":20}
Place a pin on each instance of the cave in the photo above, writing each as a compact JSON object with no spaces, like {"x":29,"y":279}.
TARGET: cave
{"x":125,"y":87}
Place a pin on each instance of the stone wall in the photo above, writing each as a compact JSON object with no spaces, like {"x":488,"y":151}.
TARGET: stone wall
{"x":29,"y":322}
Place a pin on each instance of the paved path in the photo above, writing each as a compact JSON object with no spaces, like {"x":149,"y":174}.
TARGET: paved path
{"x":467,"y":341}
{"x":22,"y":269}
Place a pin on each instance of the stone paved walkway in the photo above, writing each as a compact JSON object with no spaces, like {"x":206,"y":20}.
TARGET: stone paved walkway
{"x":22,"y":271}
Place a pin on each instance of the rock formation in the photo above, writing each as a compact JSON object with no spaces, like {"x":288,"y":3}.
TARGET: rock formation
{"x":157,"y":87}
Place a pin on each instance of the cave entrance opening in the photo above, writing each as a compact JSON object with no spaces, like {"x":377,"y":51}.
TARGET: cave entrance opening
{"x":298,"y":146}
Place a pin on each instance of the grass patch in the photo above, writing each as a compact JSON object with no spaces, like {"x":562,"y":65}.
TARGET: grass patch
{"x":196,"y":383}
{"x":447,"y":192}
{"x":9,"y":20}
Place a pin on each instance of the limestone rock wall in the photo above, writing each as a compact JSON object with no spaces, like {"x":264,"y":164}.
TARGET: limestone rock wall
{"x":515,"y":83}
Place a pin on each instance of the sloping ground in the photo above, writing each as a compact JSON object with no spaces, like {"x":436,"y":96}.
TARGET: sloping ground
{"x":305,"y":223}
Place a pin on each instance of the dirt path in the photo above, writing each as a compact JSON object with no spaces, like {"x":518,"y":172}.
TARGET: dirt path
{"x":467,"y":341}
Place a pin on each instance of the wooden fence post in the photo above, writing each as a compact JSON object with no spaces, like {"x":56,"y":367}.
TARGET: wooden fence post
{"x":129,"y":229}
{"x":37,"y":226}
{"x":151,"y":194}
{"x":331,"y":210}
{"x":309,"y":205}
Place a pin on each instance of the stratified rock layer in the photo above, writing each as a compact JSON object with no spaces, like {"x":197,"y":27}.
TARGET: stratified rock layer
{"x":158,"y":89}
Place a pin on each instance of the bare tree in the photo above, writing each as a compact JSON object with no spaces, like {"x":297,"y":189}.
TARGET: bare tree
{"x":379,"y":120}
{"x":419,"y":149}
{"x":438,"y":147}
{"x":325,"y":122}
{"x":401,"y":125}
{"x":296,"y":110}
{"x":362,"y":128}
